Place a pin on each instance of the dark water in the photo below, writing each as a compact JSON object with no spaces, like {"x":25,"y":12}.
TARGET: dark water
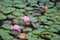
{"x":1,"y":38}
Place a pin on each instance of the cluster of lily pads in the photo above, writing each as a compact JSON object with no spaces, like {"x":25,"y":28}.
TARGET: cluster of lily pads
{"x":49,"y":24}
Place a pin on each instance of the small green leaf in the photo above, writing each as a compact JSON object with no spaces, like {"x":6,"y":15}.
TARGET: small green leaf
{"x":28,"y":8}
{"x":28,"y":29}
{"x":6,"y":36}
{"x":18,"y":1}
{"x":8,"y":10}
{"x":15,"y":13}
{"x":36,"y":32}
{"x":10,"y":16}
{"x":21,"y":5}
{"x":44,"y":0}
{"x":33,"y":19}
{"x":52,"y":29}
{"x":6,"y":26}
{"x":2,"y":16}
{"x":49,"y":22}
{"x":43,"y":18}
{"x":56,"y":38}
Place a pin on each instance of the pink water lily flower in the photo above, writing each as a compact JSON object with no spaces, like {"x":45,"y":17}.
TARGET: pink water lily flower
{"x":25,"y":19}
{"x":45,"y":8}
{"x":15,"y":27}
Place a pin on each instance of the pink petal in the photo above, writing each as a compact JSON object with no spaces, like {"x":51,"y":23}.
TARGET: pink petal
{"x":25,"y":19}
{"x":15,"y":27}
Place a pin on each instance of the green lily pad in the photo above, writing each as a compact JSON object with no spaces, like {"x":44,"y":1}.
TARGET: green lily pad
{"x":15,"y":13}
{"x":50,"y":4}
{"x":49,"y":36}
{"x":49,"y":22}
{"x":33,"y":38}
{"x":6,"y":36}
{"x":28,"y":29}
{"x":34,"y":4}
{"x":14,"y":39}
{"x":20,"y":22}
{"x":58,"y":5}
{"x":28,"y":8}
{"x":33,"y":1}
{"x":6,"y":26}
{"x":44,"y":0}
{"x":18,"y":1}
{"x":38,"y":31}
{"x":41,"y":7}
{"x":33,"y":19}
{"x":8,"y":10}
{"x":56,"y":38}
{"x":6,"y":4}
{"x":21,"y":5}
{"x":57,"y":27}
{"x":52,"y":29}
{"x":57,"y":22}
{"x":28,"y":37}
{"x":22,"y":10}
{"x":2,"y":31}
{"x":43,"y":18}
{"x":2,"y":16}
{"x":11,"y":16}
{"x":9,"y":1}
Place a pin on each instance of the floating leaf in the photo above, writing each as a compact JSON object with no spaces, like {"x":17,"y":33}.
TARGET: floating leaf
{"x":50,"y":4}
{"x":2,"y":16}
{"x":28,"y":29}
{"x":52,"y":29}
{"x":14,"y":39}
{"x":56,"y":38}
{"x":28,"y":8}
{"x":21,"y":5}
{"x":33,"y":19}
{"x":6,"y":4}
{"x":15,"y":13}
{"x":8,"y":10}
{"x":33,"y":1}
{"x":43,"y":18}
{"x":49,"y":22}
{"x":22,"y":10}
{"x":58,"y":5}
{"x":36,"y":32}
{"x":6,"y":26}
{"x":17,"y":1}
{"x":7,"y":22}
{"x":6,"y":36}
{"x":44,"y":0}
{"x":10,"y":16}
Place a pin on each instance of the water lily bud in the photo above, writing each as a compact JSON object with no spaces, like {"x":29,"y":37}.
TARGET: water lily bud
{"x":25,"y":19}
{"x":36,"y":27}
{"x":15,"y":27}
{"x":13,"y":21}
{"x":45,"y":8}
